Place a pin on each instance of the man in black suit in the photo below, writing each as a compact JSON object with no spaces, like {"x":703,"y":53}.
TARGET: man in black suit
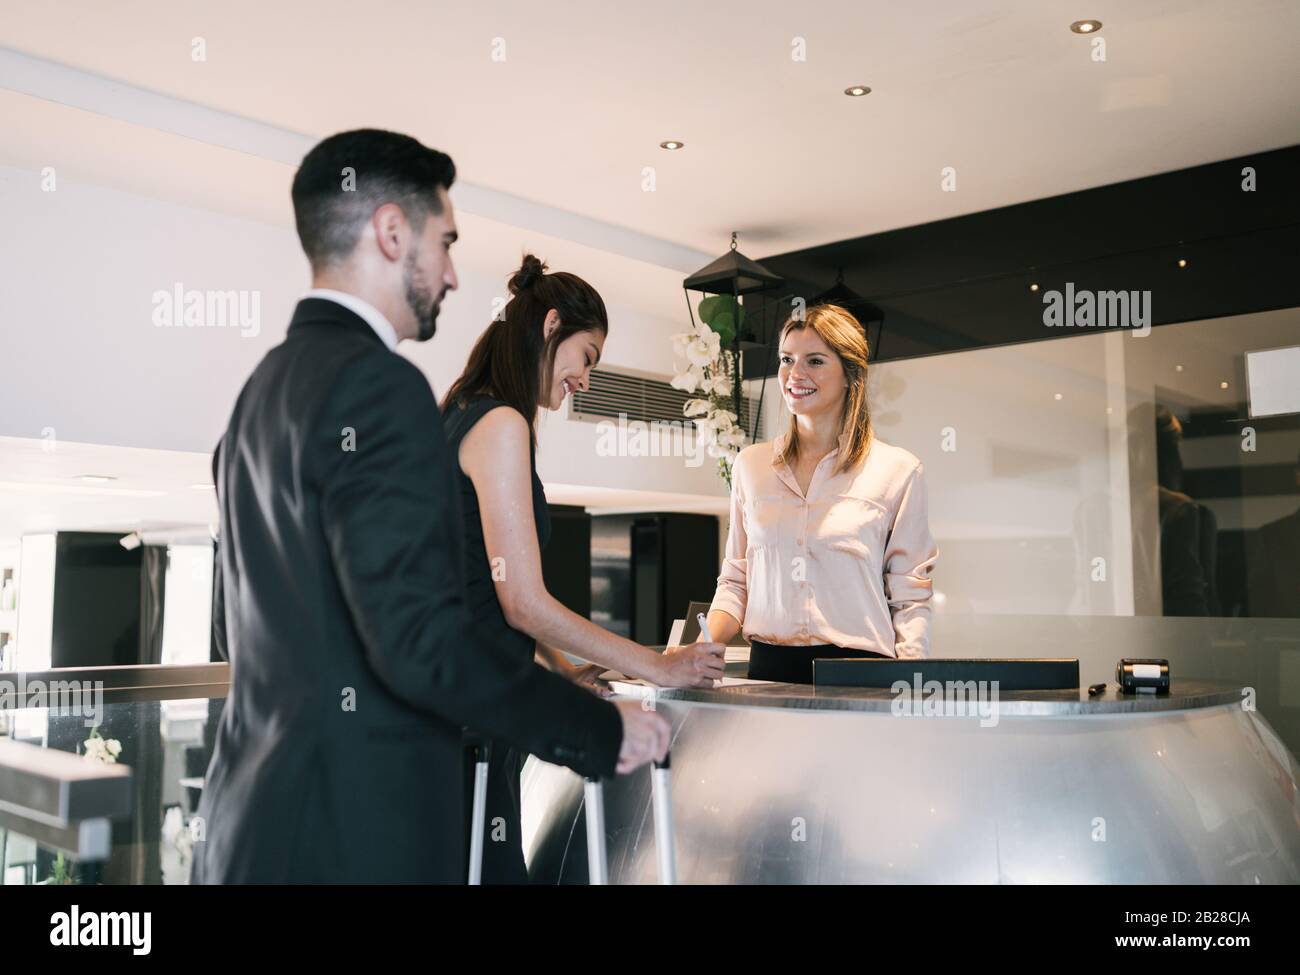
{"x":339,"y":595}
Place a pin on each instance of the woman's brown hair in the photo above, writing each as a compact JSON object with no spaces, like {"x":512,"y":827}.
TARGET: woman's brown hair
{"x":848,"y":340}
{"x":510,"y":358}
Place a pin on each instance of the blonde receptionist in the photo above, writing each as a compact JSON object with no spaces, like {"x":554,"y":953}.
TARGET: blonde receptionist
{"x":829,"y":552}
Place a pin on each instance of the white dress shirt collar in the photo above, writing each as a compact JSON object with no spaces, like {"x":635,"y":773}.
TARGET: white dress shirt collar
{"x":372,"y":315}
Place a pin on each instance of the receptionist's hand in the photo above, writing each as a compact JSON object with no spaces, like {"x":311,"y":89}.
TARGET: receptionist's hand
{"x":697,"y":665}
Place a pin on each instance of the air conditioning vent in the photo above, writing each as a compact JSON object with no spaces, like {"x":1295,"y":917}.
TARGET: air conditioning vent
{"x":647,"y":400}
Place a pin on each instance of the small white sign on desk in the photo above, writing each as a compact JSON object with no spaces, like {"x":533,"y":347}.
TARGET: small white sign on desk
{"x":675,"y":634}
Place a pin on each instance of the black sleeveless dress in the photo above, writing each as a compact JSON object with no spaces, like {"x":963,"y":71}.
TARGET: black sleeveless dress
{"x":503,"y":854}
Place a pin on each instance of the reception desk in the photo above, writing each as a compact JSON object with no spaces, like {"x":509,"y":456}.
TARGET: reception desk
{"x":780,"y":783}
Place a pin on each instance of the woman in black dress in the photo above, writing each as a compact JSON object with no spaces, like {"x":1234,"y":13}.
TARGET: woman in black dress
{"x":541,"y":348}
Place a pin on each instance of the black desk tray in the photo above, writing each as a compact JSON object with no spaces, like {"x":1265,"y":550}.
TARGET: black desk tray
{"x":1012,"y":674}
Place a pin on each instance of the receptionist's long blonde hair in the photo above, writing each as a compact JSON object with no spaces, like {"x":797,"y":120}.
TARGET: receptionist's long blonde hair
{"x":848,"y":340}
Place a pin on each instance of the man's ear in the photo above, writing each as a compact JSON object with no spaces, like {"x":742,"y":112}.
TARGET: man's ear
{"x":390,"y":228}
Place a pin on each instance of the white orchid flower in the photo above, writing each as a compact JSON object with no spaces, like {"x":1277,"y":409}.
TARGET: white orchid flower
{"x":700,"y":353}
{"x":735,"y":437}
{"x":688,"y":381}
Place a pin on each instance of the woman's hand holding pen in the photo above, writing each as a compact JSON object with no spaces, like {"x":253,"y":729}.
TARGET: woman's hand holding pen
{"x":696,"y":665}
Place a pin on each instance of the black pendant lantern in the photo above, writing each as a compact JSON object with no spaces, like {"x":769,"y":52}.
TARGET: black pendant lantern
{"x":733,"y":275}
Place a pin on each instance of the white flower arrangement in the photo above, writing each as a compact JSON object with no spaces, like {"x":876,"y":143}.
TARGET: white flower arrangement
{"x":710,"y":370}
{"x":101,"y":749}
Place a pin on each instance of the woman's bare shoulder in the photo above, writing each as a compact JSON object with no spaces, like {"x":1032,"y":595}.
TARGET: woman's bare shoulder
{"x":499,"y":435}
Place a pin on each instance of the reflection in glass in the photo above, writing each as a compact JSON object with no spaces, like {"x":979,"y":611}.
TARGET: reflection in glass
{"x":167,"y":745}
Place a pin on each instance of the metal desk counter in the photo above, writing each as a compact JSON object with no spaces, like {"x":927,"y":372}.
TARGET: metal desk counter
{"x":781,"y":783}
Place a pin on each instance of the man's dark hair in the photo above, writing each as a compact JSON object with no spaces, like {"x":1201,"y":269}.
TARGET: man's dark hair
{"x":348,"y":176}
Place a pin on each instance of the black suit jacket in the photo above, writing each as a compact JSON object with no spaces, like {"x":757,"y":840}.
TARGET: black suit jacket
{"x":340,"y":601}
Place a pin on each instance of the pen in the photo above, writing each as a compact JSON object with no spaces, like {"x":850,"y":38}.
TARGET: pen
{"x":705,"y":635}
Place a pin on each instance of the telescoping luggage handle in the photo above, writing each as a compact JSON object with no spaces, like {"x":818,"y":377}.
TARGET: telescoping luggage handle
{"x":482,"y":755}
{"x":661,"y":786}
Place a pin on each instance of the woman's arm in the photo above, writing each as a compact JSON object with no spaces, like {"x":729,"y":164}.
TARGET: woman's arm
{"x":727,"y":611}
{"x":495,"y":457}
{"x":909,"y":559}
{"x":552,"y":660}
{"x":722,"y":626}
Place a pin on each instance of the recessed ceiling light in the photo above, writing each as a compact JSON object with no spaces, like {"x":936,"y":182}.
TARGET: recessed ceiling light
{"x":1086,"y":26}
{"x":1178,"y":368}
{"x":1034,"y":286}
{"x":1057,"y":396}
{"x":1182,"y":262}
{"x":96,"y":478}
{"x":672,"y":144}
{"x":1223,"y":385}
{"x":857,"y":91}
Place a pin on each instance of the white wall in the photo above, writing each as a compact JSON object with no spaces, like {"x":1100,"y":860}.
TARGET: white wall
{"x":85,"y":360}
{"x":1020,"y":503}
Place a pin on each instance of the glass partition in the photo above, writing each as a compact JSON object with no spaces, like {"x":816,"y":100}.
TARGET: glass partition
{"x":161,"y":725}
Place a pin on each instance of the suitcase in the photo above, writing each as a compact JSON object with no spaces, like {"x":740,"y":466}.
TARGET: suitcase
{"x":661,"y":787}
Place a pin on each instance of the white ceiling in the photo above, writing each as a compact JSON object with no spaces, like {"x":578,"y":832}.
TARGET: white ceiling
{"x":998,"y":89}
{"x":41,"y":488}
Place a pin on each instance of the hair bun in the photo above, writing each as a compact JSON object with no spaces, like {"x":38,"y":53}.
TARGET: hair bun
{"x":529,"y":271}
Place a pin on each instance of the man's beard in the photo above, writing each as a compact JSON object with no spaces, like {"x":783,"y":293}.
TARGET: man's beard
{"x":419,"y":298}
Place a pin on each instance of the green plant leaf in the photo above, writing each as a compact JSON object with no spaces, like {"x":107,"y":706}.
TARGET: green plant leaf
{"x":725,"y":327}
{"x":709,"y":307}
{"x":724,"y":314}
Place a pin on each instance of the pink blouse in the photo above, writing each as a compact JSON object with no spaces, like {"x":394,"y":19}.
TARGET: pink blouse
{"x":848,"y":565}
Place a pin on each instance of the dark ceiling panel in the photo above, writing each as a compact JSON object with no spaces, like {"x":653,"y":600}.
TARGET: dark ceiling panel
{"x":963,"y":283}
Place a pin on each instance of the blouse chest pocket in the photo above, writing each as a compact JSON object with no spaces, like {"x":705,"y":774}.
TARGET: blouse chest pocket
{"x":769,"y":519}
{"x":853,"y":524}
